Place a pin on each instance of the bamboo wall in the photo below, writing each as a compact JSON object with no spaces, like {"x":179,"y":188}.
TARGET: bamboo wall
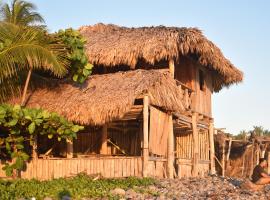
{"x":109,"y":167}
{"x":187,"y":72}
{"x":185,"y":153}
{"x":157,"y":168}
{"x":184,"y":145}
{"x":184,"y":168}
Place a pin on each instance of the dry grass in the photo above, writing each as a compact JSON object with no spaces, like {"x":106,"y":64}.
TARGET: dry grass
{"x":104,"y":98}
{"x":111,"y":45}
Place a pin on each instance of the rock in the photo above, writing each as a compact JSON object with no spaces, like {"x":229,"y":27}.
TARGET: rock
{"x":152,"y":187}
{"x":66,"y":198}
{"x":118,"y":191}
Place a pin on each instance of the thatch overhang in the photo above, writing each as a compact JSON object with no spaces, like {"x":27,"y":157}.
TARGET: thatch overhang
{"x":111,"y":45}
{"x":104,"y":98}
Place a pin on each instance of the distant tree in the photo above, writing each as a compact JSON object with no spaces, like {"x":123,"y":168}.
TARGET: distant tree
{"x":258,"y":130}
{"x":21,"y":13}
{"x":242,"y":135}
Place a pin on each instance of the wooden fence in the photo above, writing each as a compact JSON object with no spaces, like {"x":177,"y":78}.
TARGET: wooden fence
{"x":109,"y":167}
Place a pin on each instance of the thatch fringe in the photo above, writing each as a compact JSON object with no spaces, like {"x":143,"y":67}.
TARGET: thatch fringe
{"x":111,"y":45}
{"x":104,"y":98}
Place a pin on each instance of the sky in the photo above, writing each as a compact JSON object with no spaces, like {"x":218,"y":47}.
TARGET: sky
{"x":240,"y":28}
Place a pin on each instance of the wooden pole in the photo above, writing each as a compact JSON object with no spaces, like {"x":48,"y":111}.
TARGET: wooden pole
{"x":212,"y":148}
{"x":171,"y":67}
{"x":223,"y":158}
{"x":104,"y":139}
{"x":69,"y":148}
{"x":268,"y":163}
{"x":196,"y":145}
{"x":252,"y":160}
{"x":26,"y":87}
{"x":35,"y":152}
{"x":145,"y":135}
{"x":170,"y":149}
{"x":228,"y":153}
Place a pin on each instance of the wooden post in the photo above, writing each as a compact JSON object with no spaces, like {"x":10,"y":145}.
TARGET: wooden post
{"x":229,"y":149}
{"x":145,"y":135}
{"x":170,"y":149}
{"x":70,"y":148}
{"x":35,"y":152}
{"x":212,"y":148}
{"x":104,"y":138}
{"x":228,"y":153}
{"x":196,"y":145}
{"x":223,"y":158}
{"x":252,"y":161}
{"x":171,"y":67}
{"x":268,"y":163}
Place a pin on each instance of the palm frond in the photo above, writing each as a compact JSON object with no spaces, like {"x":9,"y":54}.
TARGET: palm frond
{"x":21,"y":13}
{"x":29,"y":47}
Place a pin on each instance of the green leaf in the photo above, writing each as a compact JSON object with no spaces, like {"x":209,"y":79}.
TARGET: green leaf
{"x":32,"y":127}
{"x":89,"y":66}
{"x":13,"y":122}
{"x":86,"y":72}
{"x":45,"y":114}
{"x":82,"y":79}
{"x":76,"y":128}
{"x":75,"y":77}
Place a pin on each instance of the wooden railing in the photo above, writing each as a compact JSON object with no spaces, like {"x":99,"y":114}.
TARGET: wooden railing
{"x":187,"y":95}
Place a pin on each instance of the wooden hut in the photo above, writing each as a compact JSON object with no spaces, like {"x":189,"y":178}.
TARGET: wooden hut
{"x":146,"y":108}
{"x":238,"y":157}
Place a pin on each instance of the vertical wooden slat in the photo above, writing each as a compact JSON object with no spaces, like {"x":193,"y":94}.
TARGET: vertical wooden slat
{"x":212,"y":147}
{"x":69,"y":148}
{"x":145,"y":135}
{"x":195,"y":145}
{"x":104,"y":138}
{"x":170,"y":150}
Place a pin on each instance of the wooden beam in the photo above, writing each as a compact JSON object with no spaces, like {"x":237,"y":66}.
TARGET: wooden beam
{"x":171,"y":67}
{"x":145,"y":135}
{"x":212,"y":147}
{"x":35,"y":151}
{"x":69,"y":148}
{"x":195,"y":145}
{"x":104,"y":138}
{"x":170,"y":149}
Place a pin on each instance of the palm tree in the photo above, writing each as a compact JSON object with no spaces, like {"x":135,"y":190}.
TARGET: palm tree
{"x":20,"y":13}
{"x":26,"y":49}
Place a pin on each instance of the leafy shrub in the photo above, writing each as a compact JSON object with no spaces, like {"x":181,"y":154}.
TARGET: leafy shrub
{"x":80,"y":67}
{"x":77,"y":187}
{"x":19,"y":124}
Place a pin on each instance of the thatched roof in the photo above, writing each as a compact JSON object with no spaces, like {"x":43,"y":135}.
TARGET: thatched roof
{"x":111,"y":45}
{"x":107,"y":97}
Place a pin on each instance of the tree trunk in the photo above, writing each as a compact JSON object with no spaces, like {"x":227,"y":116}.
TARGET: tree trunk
{"x":26,"y":87}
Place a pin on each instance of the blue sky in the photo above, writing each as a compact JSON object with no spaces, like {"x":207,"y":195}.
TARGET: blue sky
{"x":240,"y":28}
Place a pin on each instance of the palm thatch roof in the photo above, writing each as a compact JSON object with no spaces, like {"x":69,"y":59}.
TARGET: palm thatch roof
{"x":104,"y":98}
{"x":111,"y":45}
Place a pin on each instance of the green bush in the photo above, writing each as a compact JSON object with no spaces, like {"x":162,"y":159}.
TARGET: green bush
{"x":80,"y":68}
{"x":77,"y":187}
{"x":19,"y":125}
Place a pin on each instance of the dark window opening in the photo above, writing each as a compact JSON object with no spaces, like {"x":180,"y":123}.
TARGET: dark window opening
{"x":202,"y":80}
